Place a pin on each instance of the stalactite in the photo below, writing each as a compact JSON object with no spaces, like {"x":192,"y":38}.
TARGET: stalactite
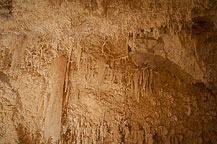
{"x":144,"y":80}
{"x":18,"y":55}
{"x":196,"y":57}
{"x":88,"y":70}
{"x":136,"y":88}
{"x":67,"y":70}
{"x":78,"y":54}
{"x":188,"y":107}
{"x":151,"y":81}
{"x":101,"y":64}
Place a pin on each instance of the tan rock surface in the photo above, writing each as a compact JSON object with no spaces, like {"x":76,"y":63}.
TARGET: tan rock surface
{"x":108,"y":71}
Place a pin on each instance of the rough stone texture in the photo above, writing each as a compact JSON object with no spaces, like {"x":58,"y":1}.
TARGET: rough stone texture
{"x":108,"y":71}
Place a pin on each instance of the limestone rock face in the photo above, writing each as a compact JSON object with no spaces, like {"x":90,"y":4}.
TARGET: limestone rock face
{"x":108,"y":71}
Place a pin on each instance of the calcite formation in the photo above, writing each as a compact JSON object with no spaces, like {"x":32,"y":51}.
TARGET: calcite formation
{"x":108,"y":71}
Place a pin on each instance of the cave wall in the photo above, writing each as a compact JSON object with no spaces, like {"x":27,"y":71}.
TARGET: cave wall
{"x":100,"y":71}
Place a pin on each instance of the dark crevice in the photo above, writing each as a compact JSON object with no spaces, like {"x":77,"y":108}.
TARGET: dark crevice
{"x":6,"y":8}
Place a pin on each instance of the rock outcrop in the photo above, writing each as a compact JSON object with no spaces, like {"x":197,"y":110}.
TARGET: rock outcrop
{"x":108,"y":71}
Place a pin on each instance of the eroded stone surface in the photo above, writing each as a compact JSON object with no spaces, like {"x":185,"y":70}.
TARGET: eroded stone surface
{"x":118,"y":71}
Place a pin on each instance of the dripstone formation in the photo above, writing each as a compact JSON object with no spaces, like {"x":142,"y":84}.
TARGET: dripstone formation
{"x":108,"y":71}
